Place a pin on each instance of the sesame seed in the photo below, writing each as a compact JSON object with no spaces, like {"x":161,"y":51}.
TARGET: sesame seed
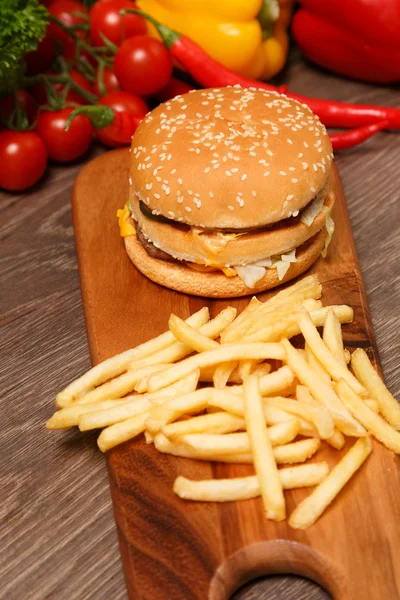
{"x":289,"y":197}
{"x":244,"y":177}
{"x":267,"y":173}
{"x":289,"y":141}
{"x":157,"y":196}
{"x":295,"y":214}
{"x":315,"y":167}
{"x":190,"y":192}
{"x":254,"y":193}
{"x":295,"y":180}
{"x":149,"y":186}
{"x":207,"y":169}
{"x":305,"y":166}
{"x":211,"y":194}
{"x":283,"y":173}
{"x":306,"y":145}
{"x":180,"y":181}
{"x":292,"y":168}
{"x":188,"y":209}
{"x":172,"y":172}
{"x":234,"y":170}
{"x":300,"y":155}
{"x":231,"y":207}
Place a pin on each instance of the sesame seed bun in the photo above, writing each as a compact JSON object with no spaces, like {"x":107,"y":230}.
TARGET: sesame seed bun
{"x":185,"y":244}
{"x":229,"y":158}
{"x":216,"y":285}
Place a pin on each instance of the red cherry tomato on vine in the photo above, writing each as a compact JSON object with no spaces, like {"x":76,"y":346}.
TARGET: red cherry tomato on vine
{"x":40,"y":59}
{"x":23,"y":159}
{"x":143,"y":65}
{"x":110,"y":82}
{"x":40,"y":94}
{"x":24,"y":100}
{"x":105,"y":19}
{"x":65,"y":11}
{"x":121,"y":102}
{"x":64,"y":146}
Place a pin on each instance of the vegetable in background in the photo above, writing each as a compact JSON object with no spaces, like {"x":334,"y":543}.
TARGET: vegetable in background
{"x":63,"y":145}
{"x":23,"y":159}
{"x":116,"y":117}
{"x":247,"y":36}
{"x":174,"y":87}
{"x":39,"y":91}
{"x":71,"y":14}
{"x":22,"y":24}
{"x":357,"y":38}
{"x":105,"y":81}
{"x":106,"y":20}
{"x":210,"y":73}
{"x":142,"y":65}
{"x":10,"y":104}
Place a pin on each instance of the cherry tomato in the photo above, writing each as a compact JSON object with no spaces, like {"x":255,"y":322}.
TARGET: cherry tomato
{"x":23,"y":159}
{"x":64,"y":11}
{"x":40,"y":59}
{"x":121,"y":102}
{"x":24,"y":100}
{"x":40,"y":94}
{"x":105,"y":19}
{"x":64,"y":146}
{"x":110,"y":81}
{"x":142,"y":65}
{"x":174,"y":87}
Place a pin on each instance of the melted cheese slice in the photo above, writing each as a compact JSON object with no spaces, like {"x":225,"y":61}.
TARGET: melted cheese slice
{"x":125,"y":229}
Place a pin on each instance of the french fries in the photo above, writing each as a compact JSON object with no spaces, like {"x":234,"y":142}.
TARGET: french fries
{"x":371,"y":421}
{"x":308,"y":511}
{"x":213,"y":357}
{"x":118,"y":364}
{"x":235,"y":390}
{"x":244,"y":488}
{"x":370,"y":379}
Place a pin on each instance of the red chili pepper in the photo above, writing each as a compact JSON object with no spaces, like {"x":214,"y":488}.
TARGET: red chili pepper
{"x":359,"y":38}
{"x":353,"y":137}
{"x":117,"y":128}
{"x":210,"y":73}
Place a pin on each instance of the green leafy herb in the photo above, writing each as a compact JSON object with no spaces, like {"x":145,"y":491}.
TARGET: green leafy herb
{"x":22,"y":24}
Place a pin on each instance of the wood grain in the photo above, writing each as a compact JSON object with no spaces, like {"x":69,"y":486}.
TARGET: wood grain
{"x":222,"y":546}
{"x":58,"y":539}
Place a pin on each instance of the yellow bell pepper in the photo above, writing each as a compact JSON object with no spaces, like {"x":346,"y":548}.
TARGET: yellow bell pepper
{"x":247,"y":36}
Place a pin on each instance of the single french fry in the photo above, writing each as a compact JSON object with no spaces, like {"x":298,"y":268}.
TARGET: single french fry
{"x":319,"y":416}
{"x":246,"y":367}
{"x":244,"y":488}
{"x":347,"y":356}
{"x":374,"y":423}
{"x":310,"y":509}
{"x":69,"y":416}
{"x":174,"y":408}
{"x":335,"y":368}
{"x":311,"y":304}
{"x":288,"y":454}
{"x":366,"y":374}
{"x":261,"y":450}
{"x":178,"y":350}
{"x":233,"y":443}
{"x":118,"y":364}
{"x":134,"y":405}
{"x":297,"y":451}
{"x":322,"y":392}
{"x":122,"y":432}
{"x":223,"y":373}
{"x":188,"y":335}
{"x":213,"y":423}
{"x":336,"y":440}
{"x":372,"y":404}
{"x":316,"y":365}
{"x":213,"y":357}
{"x":332,"y":336}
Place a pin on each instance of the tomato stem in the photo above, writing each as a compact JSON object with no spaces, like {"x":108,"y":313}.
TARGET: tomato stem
{"x":168,"y":35}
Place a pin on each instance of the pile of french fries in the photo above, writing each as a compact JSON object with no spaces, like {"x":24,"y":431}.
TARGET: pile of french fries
{"x":251,"y":397}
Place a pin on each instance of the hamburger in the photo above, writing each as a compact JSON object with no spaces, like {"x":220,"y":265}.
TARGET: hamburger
{"x":230,"y":192}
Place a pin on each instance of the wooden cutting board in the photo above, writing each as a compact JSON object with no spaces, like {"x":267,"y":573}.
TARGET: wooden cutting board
{"x":177,"y":550}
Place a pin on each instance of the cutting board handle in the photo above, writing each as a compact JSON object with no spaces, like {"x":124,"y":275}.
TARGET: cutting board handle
{"x":273,"y":557}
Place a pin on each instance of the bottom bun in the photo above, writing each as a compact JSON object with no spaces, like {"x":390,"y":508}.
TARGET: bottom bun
{"x":181,"y":278}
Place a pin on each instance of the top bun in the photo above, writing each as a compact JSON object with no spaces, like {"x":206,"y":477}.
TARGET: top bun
{"x":229,"y":158}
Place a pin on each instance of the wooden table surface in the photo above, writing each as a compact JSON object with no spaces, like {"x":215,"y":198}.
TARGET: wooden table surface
{"x":57,"y":535}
